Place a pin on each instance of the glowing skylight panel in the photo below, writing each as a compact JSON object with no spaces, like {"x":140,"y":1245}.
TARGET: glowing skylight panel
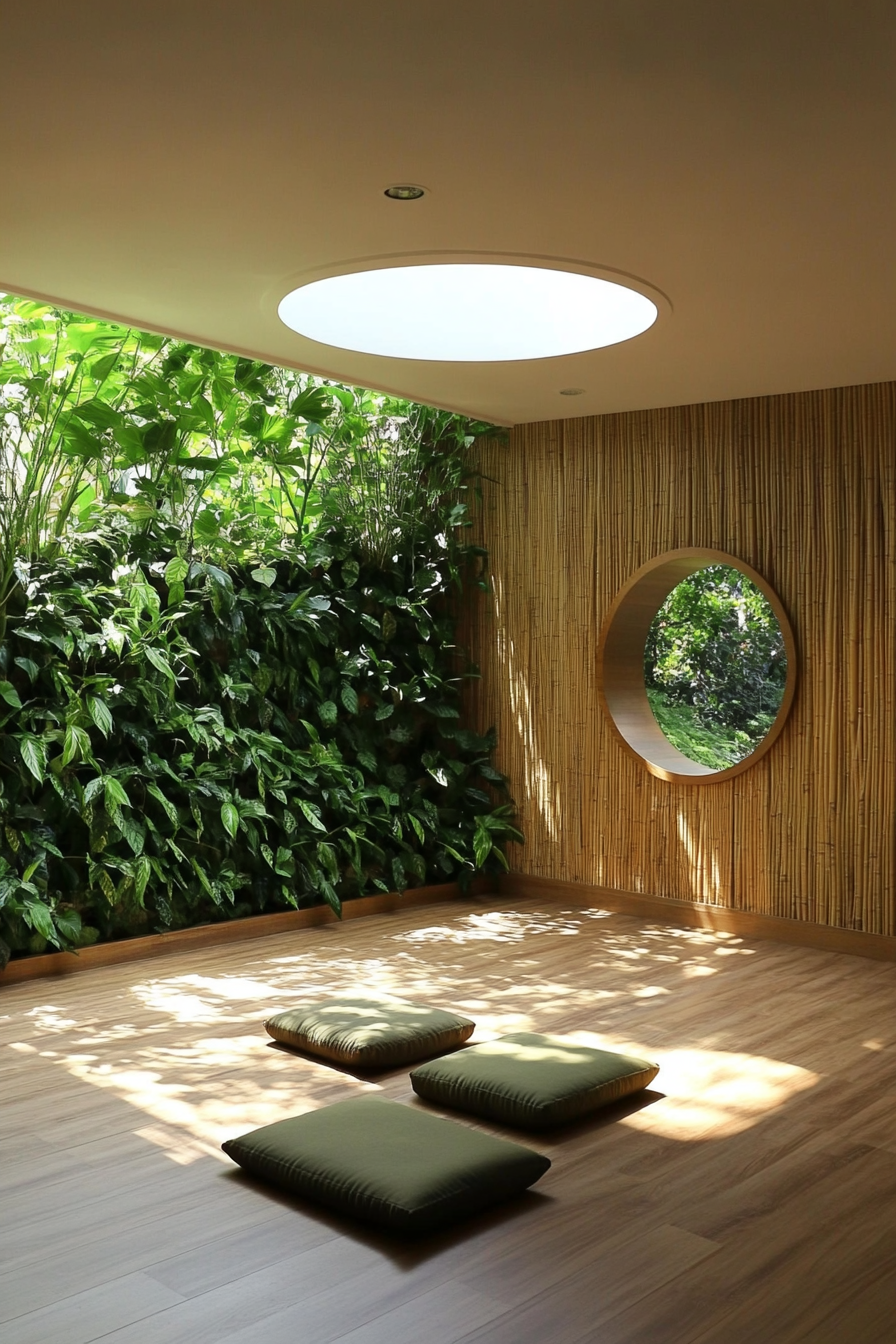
{"x":467,"y":312}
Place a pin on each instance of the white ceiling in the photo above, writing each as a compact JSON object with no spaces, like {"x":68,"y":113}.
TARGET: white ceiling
{"x":182,"y":164}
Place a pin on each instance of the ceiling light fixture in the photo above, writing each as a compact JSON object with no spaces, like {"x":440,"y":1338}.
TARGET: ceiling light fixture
{"x":404,"y":192}
{"x":467,"y":312}
{"x":571,"y":391}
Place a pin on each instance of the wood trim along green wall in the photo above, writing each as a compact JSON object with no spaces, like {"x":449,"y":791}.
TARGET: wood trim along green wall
{"x":207,"y":935}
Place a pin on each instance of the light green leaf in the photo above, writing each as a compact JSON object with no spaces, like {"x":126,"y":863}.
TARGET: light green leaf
{"x":68,"y":925}
{"x":482,"y":845}
{"x":230,"y":819}
{"x":132,"y":832}
{"x":76,"y":745}
{"x":331,"y":898}
{"x":455,"y":855}
{"x":312,"y":814}
{"x":142,"y":872}
{"x":168,"y":807}
{"x":38,"y":917}
{"x":10,"y":694}
{"x":159,"y":661}
{"x":203,"y":877}
{"x":313,"y":403}
{"x":327,"y":855}
{"x":264,"y":575}
{"x":285,"y":864}
{"x":418,"y":828}
{"x":176,"y":570}
{"x":34,"y":755}
{"x":99,"y":712}
{"x":114,"y":794}
{"x":101,"y":368}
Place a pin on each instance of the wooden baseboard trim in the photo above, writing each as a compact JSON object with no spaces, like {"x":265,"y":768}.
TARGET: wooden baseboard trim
{"x":207,"y":935}
{"x":693,"y":915}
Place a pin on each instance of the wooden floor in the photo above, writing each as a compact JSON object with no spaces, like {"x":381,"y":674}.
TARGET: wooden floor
{"x":749,"y":1197}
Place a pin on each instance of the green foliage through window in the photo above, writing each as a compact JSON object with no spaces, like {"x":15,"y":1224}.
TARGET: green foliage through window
{"x":715,"y":666}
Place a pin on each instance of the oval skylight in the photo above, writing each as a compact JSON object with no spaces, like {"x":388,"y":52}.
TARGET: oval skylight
{"x":467,"y":312}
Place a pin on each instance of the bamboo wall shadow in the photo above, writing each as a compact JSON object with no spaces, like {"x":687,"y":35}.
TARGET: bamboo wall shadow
{"x":803,"y":488}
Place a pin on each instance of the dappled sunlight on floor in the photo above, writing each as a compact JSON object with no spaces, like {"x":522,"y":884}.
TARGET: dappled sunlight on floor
{"x":497,"y":926}
{"x":183,"y":1042}
{"x":711,"y":1094}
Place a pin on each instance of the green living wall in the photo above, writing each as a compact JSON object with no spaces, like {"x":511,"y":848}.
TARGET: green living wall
{"x":229,"y":681}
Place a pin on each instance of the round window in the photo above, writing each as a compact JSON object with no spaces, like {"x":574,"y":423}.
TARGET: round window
{"x":697,"y":665}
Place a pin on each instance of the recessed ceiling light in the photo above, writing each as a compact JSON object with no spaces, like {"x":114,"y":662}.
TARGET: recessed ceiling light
{"x":571,"y":391}
{"x":404,"y":193}
{"x":467,"y":312}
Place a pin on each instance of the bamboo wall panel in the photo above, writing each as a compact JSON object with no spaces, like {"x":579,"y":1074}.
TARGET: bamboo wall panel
{"x":802,"y":487}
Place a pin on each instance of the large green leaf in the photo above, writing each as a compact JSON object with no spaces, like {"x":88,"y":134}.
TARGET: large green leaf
{"x":168,"y":806}
{"x":312,"y":814}
{"x":159,"y":661}
{"x":114,"y":793}
{"x":176,"y":570}
{"x":29,"y":666}
{"x":99,"y":712}
{"x":34,"y":755}
{"x":9,"y":693}
{"x":38,"y":916}
{"x":101,"y":368}
{"x":265,"y":576}
{"x":76,"y":745}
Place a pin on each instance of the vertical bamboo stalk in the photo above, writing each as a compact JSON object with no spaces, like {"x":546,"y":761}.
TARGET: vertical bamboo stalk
{"x":803,"y":487}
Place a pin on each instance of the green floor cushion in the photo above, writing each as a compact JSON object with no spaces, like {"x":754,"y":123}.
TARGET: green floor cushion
{"x":386,"y":1163}
{"x":367,"y":1033}
{"x":531,"y":1081}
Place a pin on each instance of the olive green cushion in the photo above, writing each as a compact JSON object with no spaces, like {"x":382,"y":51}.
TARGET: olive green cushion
{"x":387,"y":1163}
{"x":531,"y":1081}
{"x":368,"y":1033}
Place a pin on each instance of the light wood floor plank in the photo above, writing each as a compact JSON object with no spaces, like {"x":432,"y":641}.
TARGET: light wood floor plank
{"x":83,"y":1316}
{"x":748,"y":1196}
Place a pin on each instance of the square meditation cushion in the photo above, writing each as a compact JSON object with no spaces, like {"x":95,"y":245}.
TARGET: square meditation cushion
{"x":531,"y":1081}
{"x":370,"y":1033}
{"x":387,"y":1163}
